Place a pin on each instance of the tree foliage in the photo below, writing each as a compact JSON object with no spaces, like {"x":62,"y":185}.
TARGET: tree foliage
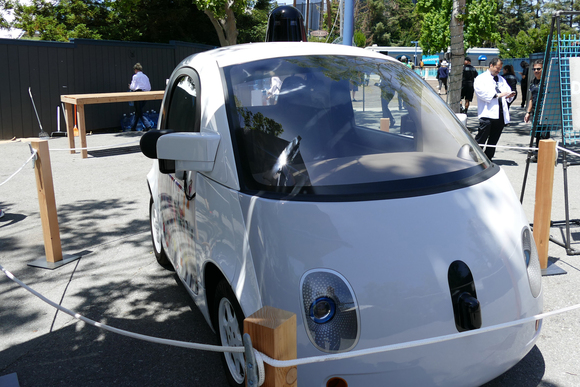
{"x":252,"y":25}
{"x":390,"y":22}
{"x":222,"y":14}
{"x":134,"y":20}
{"x":5,"y":5}
{"x":525,"y":25}
{"x":60,"y":21}
{"x":480,"y":28}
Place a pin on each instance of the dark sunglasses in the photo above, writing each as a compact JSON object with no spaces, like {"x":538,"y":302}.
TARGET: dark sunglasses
{"x":538,"y":69}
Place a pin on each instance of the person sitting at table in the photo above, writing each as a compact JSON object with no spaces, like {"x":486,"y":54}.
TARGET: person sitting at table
{"x":140,"y":82}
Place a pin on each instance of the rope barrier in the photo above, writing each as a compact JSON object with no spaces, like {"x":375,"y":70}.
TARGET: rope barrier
{"x":32,"y":156}
{"x":96,"y":147}
{"x":184,"y":344}
{"x":296,"y":362}
{"x":568,"y":151}
{"x":511,"y":147}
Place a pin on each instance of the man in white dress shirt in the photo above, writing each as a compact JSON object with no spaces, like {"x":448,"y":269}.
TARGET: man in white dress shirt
{"x":140,"y":82}
{"x":493,"y":94}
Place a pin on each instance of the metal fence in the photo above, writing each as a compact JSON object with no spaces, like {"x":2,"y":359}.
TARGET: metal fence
{"x":554,"y":109}
{"x":51,"y":69}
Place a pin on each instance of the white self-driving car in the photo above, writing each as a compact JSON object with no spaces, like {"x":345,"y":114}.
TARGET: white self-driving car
{"x":334,"y":183}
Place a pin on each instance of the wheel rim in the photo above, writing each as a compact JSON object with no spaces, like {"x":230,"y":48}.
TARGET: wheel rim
{"x":155,"y":229}
{"x":231,"y":336}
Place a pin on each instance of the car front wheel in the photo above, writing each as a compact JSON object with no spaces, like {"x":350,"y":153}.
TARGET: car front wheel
{"x":154,"y":220}
{"x":229,"y":320}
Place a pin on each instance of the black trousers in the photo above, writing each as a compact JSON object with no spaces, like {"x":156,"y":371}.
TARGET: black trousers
{"x":139,"y":105}
{"x":488,"y":133}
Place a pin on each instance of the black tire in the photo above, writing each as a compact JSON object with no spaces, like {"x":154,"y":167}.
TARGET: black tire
{"x":156,"y":236}
{"x":228,"y":320}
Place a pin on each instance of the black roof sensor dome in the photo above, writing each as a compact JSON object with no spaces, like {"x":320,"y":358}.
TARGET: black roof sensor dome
{"x":285,"y":24}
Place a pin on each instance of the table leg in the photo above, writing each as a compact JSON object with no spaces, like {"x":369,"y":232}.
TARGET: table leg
{"x":70,"y":122}
{"x":82,"y":129}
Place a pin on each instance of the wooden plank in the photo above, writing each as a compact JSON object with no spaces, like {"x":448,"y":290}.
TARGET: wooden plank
{"x":47,"y":202}
{"x":543,"y":206}
{"x":273,"y":332}
{"x":89,"y":99}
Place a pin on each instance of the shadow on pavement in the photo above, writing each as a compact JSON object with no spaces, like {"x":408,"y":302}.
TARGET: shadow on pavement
{"x":83,"y":355}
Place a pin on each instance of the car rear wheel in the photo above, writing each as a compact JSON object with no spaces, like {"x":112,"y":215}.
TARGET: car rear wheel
{"x":154,"y":220}
{"x":229,"y":320}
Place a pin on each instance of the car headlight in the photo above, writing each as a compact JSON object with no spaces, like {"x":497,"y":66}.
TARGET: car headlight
{"x":330,"y":311}
{"x":532,"y":261}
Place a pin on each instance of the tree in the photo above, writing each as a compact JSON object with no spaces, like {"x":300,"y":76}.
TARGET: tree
{"x":252,"y":25}
{"x":60,"y":21}
{"x":134,"y":20}
{"x":480,"y":24}
{"x":389,"y":22}
{"x":458,"y":51}
{"x":5,"y":5}
{"x":222,"y":14}
{"x":157,"y":21}
{"x":525,"y":25}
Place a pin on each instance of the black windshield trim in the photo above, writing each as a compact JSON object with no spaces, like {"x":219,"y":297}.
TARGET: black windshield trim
{"x":448,"y":182}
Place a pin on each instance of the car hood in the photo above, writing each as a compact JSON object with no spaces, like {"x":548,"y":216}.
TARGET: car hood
{"x":395,"y":254}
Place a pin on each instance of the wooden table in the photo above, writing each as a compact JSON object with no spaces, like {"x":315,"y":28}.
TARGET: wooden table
{"x":80,"y":100}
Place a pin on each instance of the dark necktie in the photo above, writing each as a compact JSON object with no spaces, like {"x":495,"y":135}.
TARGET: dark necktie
{"x":499,"y":100}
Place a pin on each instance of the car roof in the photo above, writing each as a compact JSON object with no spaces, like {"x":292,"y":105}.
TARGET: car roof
{"x":243,"y":53}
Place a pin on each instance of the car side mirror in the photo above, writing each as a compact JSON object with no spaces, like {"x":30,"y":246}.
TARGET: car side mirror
{"x":188,"y":152}
{"x":148,"y":142}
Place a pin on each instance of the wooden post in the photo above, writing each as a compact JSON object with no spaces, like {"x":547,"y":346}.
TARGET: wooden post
{"x":70,"y":123}
{"x":273,"y":332}
{"x":46,"y":202}
{"x":543,"y":206}
{"x":385,"y":124}
{"x":82,"y":129}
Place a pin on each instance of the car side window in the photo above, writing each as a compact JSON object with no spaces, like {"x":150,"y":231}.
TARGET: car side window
{"x":183,"y":109}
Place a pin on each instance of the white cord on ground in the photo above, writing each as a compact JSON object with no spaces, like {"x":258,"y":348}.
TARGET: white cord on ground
{"x":20,"y":169}
{"x":184,"y":344}
{"x":262,"y":358}
{"x":95,"y":147}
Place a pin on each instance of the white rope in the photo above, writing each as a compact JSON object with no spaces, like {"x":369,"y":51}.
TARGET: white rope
{"x":410,"y":344}
{"x":296,"y":362}
{"x":95,"y":147}
{"x":510,"y":147}
{"x":568,"y":151}
{"x":20,"y":169}
{"x":184,"y":344}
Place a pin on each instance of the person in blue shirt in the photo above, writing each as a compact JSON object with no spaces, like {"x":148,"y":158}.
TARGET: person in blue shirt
{"x":443,"y":75}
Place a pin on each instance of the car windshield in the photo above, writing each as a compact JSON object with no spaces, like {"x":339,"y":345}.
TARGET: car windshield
{"x":344,"y":124}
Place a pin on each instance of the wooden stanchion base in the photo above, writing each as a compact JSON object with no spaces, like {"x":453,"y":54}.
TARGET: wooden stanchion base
{"x":10,"y":380}
{"x":552,"y":269}
{"x":44,"y":264}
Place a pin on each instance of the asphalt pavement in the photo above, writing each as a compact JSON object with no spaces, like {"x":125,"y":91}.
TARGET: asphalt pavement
{"x":102,"y":206}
